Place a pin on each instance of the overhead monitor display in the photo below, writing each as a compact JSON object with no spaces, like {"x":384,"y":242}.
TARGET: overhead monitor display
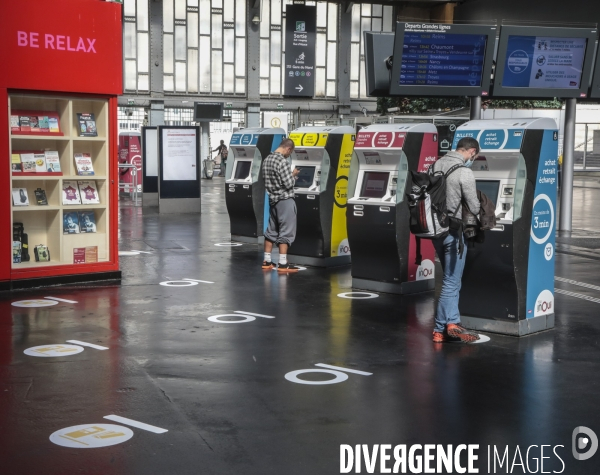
{"x":305,"y":178}
{"x":242,"y":170}
{"x":374,"y":184}
{"x":490,"y":188}
{"x":595,"y":90}
{"x":544,"y":62}
{"x":442,"y":60}
{"x":379,"y":48}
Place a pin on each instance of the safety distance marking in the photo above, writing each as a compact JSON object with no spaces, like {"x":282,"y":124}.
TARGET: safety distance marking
{"x":56,"y":350}
{"x":90,"y":345}
{"x":358,"y":295}
{"x":482,"y":339}
{"x":38,"y":303}
{"x":339,"y":374}
{"x":228,"y":244}
{"x":576,"y":295}
{"x":128,"y":253}
{"x":185,"y":282}
{"x":245,"y":317}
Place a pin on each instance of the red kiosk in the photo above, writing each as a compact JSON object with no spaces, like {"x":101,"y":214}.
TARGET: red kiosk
{"x":58,"y":143}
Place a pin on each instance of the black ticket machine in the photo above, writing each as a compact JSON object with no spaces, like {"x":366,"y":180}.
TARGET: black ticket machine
{"x":383,"y":249}
{"x":322,"y":155}
{"x":508,"y":281}
{"x":245,"y":194}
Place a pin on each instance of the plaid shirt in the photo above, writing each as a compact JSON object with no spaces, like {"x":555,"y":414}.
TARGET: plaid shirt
{"x":279,"y":180}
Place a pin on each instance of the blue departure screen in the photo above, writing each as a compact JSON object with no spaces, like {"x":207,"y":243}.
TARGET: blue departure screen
{"x":442,"y":59}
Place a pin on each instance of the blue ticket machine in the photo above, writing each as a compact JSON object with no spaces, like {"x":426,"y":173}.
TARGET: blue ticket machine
{"x":383,"y":248}
{"x":245,"y":194}
{"x":508,"y":281}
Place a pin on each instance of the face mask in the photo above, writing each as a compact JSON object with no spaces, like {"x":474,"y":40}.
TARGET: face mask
{"x":469,"y":163}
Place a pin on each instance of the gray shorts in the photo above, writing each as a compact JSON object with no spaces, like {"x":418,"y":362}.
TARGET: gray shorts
{"x":282,"y":222}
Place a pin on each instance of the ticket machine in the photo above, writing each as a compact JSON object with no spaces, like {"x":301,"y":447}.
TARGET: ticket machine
{"x":508,"y":281}
{"x":323,"y":156}
{"x":383,"y":249}
{"x":245,"y":194}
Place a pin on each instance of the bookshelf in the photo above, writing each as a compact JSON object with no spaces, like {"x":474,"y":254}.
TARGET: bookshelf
{"x":44,"y":223}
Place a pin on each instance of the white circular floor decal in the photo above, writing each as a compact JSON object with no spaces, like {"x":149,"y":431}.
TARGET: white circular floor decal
{"x":357,"y":295}
{"x":178,"y":283}
{"x":128,"y":253}
{"x":34,"y":303}
{"x":300,"y":268}
{"x":482,"y":339}
{"x":51,"y":351}
{"x":91,"y":436}
{"x":228,"y":244}
{"x":293,"y":376}
{"x":217,"y":318}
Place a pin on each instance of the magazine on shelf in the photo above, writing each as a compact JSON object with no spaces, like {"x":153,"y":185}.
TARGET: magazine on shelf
{"x":16,"y":252}
{"x":88,"y":192}
{"x":20,"y":197}
{"x":34,"y":123}
{"x":79,"y":255}
{"x":40,"y":197}
{"x":87,"y":221}
{"x":14,"y":124}
{"x":28,"y":162}
{"x":52,"y":161}
{"x":91,"y":254}
{"x":15,"y":160}
{"x":40,"y":162}
{"x":43,"y":122}
{"x":24,"y":123}
{"x":53,"y":124}
{"x":83,"y":162}
{"x":87,"y":125}
{"x":42,"y":253}
{"x":70,"y":193}
{"x":71,"y":223}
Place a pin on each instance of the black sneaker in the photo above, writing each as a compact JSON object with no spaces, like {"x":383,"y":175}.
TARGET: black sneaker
{"x":287,"y":268}
{"x":268,"y":265}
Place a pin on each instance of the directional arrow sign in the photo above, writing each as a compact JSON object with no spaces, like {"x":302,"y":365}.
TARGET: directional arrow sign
{"x":300,"y":41}
{"x":299,"y":88}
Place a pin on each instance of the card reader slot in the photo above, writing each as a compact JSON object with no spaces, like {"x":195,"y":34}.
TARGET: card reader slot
{"x":359,"y":207}
{"x":310,"y":197}
{"x":384,"y":209}
{"x":359,"y":213}
{"x":246,"y":186}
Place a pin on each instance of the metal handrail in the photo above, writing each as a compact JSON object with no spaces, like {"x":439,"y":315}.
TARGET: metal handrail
{"x":123,"y":186}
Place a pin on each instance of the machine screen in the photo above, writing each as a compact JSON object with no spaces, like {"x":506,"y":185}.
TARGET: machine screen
{"x":305,"y":177}
{"x":490,"y":188}
{"x":242,"y":170}
{"x":374,"y":184}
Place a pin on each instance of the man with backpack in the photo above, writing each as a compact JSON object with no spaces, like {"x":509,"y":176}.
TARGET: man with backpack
{"x":450,"y":248}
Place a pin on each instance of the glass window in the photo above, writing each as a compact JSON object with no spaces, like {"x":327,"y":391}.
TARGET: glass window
{"x":180,"y":79}
{"x":276,"y":47}
{"x":228,"y":78}
{"x":192,"y":30}
{"x":168,"y":16}
{"x":204,"y":11}
{"x":229,"y":10}
{"x":180,"y":44}
{"x":228,"y":45}
{"x":129,"y":43}
{"x":168,"y":83}
{"x":143,"y":53}
{"x":217,"y":31}
{"x":240,"y":18}
{"x":143,"y":82}
{"x":129,"y":8}
{"x":204,"y":60}
{"x":130,"y":75}
{"x":240,"y":57}
{"x":142,"y":14}
{"x":192,"y":70}
{"x":217,"y":71}
{"x":180,"y":9}
{"x":168,"y":60}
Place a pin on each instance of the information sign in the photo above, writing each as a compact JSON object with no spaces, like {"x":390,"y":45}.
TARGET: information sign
{"x":300,"y":40}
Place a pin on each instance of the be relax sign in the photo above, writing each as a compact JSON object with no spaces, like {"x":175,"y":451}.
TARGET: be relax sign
{"x":34,"y":39}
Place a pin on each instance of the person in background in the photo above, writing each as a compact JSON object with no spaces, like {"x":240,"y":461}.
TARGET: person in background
{"x":279,"y":183}
{"x":221,"y":158}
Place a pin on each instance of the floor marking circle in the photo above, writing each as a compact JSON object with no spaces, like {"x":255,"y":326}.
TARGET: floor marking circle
{"x":179,"y":283}
{"x":293,"y":376}
{"x":51,"y":351}
{"x":228,"y":244}
{"x":128,"y":253}
{"x":358,"y":295}
{"x":216,"y":318}
{"x":482,"y":339}
{"x":91,"y":436}
{"x":34,"y":303}
{"x":300,"y":268}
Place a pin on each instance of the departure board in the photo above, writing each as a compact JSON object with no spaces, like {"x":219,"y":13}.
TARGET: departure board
{"x":442,"y":59}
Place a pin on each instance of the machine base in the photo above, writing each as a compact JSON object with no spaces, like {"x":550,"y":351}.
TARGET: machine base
{"x":320,"y":261}
{"x":248,"y":239}
{"x":149,"y":199}
{"x":389,"y":288}
{"x":518,"y":328}
{"x":179,"y":205}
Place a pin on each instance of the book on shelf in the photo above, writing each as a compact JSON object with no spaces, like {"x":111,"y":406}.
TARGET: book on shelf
{"x":24,"y":123}
{"x":53,"y":124}
{"x":52,"y":161}
{"x":40,"y":197}
{"x":40,"y":162}
{"x":20,"y":197}
{"x":14,"y":124}
{"x":16,"y":252}
{"x":70,"y":193}
{"x":87,"y":222}
{"x":34,"y":123}
{"x":83,"y":162}
{"x":71,"y":223}
{"x":88,"y":192}
{"x":42,"y":253}
{"x":43,"y":123}
{"x":28,"y":163}
{"x":81,"y":255}
{"x":15,"y":160}
{"x":87,"y":125}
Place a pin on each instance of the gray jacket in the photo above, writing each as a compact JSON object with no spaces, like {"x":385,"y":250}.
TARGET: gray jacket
{"x":460,"y":184}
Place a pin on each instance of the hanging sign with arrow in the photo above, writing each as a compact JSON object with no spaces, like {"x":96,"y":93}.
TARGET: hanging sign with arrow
{"x":300,"y":41}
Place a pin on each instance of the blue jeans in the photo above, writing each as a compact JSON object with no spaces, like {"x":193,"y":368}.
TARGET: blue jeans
{"x":453,"y":266}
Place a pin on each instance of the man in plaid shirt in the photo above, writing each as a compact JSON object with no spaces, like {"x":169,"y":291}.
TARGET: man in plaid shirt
{"x":279,"y":183}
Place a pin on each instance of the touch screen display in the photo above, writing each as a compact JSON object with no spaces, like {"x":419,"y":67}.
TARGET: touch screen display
{"x":305,"y":177}
{"x":490,"y":188}
{"x":374,"y":184}
{"x":242,"y":170}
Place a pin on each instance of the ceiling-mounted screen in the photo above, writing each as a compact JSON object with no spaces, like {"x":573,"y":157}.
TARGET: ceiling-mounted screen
{"x":208,"y":111}
{"x":544,"y":62}
{"x":379,"y":48}
{"x":595,"y":89}
{"x":442,"y":60}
